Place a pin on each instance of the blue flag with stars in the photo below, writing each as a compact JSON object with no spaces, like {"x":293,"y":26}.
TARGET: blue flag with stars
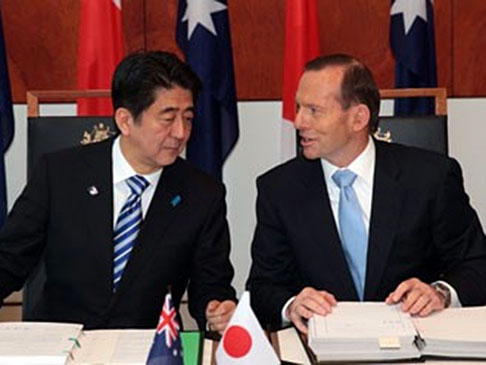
{"x":6,"y":122}
{"x":413,"y":45}
{"x":203,"y":34}
{"x":166,"y":348}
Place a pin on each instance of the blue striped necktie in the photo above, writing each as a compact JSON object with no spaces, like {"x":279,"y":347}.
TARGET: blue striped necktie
{"x":127,"y":226}
{"x":354,"y":237}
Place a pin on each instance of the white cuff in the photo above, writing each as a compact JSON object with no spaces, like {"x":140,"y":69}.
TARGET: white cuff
{"x":455,"y":302}
{"x":286,"y":320}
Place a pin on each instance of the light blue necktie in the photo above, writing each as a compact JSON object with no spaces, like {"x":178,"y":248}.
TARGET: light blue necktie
{"x":127,"y":226}
{"x":353,"y":233}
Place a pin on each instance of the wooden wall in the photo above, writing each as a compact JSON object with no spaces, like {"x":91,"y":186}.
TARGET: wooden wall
{"x":42,"y":37}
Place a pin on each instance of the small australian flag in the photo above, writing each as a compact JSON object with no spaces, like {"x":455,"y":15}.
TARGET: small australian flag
{"x":166,"y":348}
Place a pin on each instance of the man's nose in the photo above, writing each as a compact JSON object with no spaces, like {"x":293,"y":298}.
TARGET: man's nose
{"x":300,"y":119}
{"x":179,"y":128}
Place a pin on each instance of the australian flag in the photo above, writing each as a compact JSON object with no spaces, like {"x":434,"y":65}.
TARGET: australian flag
{"x":203,"y":34}
{"x":6,"y":122}
{"x":413,"y":45}
{"x":166,"y":348}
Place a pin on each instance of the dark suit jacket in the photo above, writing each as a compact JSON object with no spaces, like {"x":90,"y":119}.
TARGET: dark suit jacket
{"x":421,"y":225}
{"x":177,"y":245}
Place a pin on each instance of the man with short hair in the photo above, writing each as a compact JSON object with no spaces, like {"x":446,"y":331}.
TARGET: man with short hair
{"x":120,"y":222}
{"x":358,"y":219}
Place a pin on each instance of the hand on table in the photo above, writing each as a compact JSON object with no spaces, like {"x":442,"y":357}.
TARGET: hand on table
{"x":219,"y":313}
{"x":308,"y":302}
{"x":417,"y":297}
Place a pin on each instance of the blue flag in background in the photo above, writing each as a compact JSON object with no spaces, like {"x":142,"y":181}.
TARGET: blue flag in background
{"x":6,"y":122}
{"x":203,"y":34}
{"x":413,"y":45}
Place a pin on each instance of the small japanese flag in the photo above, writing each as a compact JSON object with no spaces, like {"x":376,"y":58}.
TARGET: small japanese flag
{"x":243,"y":340}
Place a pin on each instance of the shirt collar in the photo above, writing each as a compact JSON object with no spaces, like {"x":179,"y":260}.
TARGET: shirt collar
{"x":122,"y":170}
{"x":363,"y":165}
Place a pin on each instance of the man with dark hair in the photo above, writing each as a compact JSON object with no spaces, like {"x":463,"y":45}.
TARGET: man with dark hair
{"x":358,"y":219}
{"x":120,"y":222}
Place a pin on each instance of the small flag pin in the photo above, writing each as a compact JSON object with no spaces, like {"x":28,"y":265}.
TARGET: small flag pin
{"x":176,"y":200}
{"x":92,"y":190}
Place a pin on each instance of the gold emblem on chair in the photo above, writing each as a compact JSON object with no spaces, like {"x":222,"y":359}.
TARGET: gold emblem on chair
{"x":99,"y":133}
{"x":384,"y":136}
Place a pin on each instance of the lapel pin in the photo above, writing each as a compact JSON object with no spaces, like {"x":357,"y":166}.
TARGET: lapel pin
{"x":175,"y":201}
{"x":93,"y":191}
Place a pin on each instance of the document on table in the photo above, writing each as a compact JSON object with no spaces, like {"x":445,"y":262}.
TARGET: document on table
{"x":454,"y":332}
{"x":37,"y":343}
{"x":363,"y":319}
{"x":454,"y":324}
{"x":114,"y":347}
{"x":291,"y":347}
{"x":363,"y":331}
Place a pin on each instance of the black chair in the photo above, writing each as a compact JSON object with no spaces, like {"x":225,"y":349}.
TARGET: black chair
{"x":48,"y":134}
{"x":428,"y":132}
{"x":424,"y":131}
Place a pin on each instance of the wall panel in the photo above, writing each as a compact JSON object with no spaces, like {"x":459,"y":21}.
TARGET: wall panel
{"x":42,"y":40}
{"x":133,"y":24}
{"x":469,"y":44}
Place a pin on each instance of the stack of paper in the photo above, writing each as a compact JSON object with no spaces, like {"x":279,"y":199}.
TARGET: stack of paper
{"x":65,"y":343}
{"x":290,"y":347}
{"x":110,"y":347}
{"x":363,"y":331}
{"x":455,"y":332}
{"x":37,"y":343}
{"x":113,"y":347}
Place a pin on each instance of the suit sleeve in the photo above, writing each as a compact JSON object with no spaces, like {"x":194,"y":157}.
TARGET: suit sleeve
{"x":22,"y":239}
{"x":459,"y":239}
{"x":273,"y":278}
{"x":211,"y":269}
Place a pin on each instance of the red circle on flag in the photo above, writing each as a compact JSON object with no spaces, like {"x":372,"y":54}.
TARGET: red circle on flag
{"x":237,"y":341}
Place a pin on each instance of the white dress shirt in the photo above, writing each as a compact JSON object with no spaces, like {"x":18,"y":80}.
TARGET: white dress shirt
{"x":121,"y":170}
{"x":364,"y":167}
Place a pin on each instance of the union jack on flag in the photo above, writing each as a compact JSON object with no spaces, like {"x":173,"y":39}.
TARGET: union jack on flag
{"x":166,"y":348}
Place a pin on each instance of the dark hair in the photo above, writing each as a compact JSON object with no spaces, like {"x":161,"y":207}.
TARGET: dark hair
{"x":139,"y":75}
{"x":358,"y":85}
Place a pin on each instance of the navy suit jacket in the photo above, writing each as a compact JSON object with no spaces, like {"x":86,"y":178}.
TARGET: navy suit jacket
{"x":421,"y":225}
{"x":184,"y":244}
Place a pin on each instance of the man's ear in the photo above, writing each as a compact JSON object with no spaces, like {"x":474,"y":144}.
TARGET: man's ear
{"x":124,"y":121}
{"x":361,"y":117}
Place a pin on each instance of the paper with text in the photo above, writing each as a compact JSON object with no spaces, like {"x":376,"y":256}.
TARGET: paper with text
{"x":37,"y":343}
{"x":454,"y":324}
{"x":362,"y":319}
{"x":114,"y":347}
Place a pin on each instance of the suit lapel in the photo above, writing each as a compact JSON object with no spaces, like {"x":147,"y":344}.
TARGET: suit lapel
{"x":385,"y":211}
{"x":325,"y":243}
{"x":98,"y":192}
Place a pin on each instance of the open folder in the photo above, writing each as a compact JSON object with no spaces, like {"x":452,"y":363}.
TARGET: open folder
{"x":67,"y":343}
{"x":363,"y":331}
{"x":366,"y":331}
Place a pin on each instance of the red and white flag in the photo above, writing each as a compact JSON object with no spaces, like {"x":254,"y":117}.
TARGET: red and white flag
{"x":243,"y":340}
{"x":301,"y":45}
{"x":100,"y":50}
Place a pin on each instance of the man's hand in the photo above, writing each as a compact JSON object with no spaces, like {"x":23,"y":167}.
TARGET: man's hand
{"x":219,"y":313}
{"x":417,"y":297}
{"x":308,"y":302}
